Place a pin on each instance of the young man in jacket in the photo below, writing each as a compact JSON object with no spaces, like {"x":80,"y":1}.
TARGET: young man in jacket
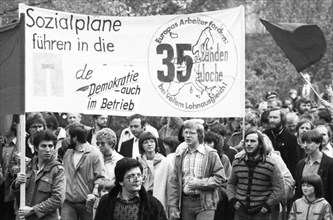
{"x":45,"y":181}
{"x":128,"y":199}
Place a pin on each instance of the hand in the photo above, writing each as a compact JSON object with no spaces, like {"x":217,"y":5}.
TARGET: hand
{"x":263,"y":210}
{"x":174,"y":216}
{"x":237,"y":205}
{"x":90,"y":202}
{"x":324,"y":103}
{"x":25,"y":211}
{"x":21,"y":178}
{"x":193,"y":184}
{"x":3,"y":140}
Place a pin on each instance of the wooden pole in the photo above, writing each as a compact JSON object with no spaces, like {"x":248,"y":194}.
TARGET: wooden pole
{"x":309,"y":83}
{"x":21,"y":146}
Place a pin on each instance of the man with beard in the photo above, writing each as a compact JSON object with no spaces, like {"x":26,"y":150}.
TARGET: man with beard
{"x":282,"y":140}
{"x":100,"y":122}
{"x":256,"y":184}
{"x":303,"y":106}
{"x":84,"y":169}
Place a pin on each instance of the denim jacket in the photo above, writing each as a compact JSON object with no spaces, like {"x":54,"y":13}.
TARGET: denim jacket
{"x":45,"y":191}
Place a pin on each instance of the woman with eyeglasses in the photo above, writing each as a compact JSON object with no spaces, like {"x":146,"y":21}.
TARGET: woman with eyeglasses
{"x":157,"y":169}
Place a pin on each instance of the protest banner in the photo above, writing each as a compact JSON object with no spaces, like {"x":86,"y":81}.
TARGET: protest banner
{"x":175,"y":65}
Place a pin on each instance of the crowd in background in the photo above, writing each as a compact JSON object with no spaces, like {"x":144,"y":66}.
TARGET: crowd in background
{"x":275,"y":163}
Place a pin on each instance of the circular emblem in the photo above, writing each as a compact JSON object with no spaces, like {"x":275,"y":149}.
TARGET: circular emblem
{"x":192,"y":62}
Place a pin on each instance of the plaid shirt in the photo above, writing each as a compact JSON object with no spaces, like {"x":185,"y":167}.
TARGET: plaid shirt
{"x":192,"y":167}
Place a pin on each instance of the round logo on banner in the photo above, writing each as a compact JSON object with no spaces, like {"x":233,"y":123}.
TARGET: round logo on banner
{"x":192,"y":62}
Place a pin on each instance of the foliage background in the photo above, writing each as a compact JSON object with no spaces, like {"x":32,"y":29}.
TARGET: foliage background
{"x":267,"y":68}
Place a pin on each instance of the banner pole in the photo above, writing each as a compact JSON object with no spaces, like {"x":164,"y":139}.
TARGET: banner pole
{"x":21,"y":144}
{"x":309,"y":83}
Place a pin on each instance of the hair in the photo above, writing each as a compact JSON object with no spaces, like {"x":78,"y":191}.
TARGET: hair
{"x":302,"y":100}
{"x":314,"y":180}
{"x":35,"y":118}
{"x":146,"y":135}
{"x":292,"y":117}
{"x":45,"y":135}
{"x":251,"y":119}
{"x":219,"y":129}
{"x":325,"y":115}
{"x":264,"y":117}
{"x":211,"y":136}
{"x":282,"y":116}
{"x":77,"y":130}
{"x":190,"y":124}
{"x":51,"y":121}
{"x":124,"y":165}
{"x":172,"y":142}
{"x":261,"y":141}
{"x":180,"y":136}
{"x":313,"y":136}
{"x":329,"y":129}
{"x":109,"y":135}
{"x":105,"y":184}
{"x":143,"y":119}
{"x":302,"y":122}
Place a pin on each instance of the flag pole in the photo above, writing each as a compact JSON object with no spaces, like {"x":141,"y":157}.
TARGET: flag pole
{"x":309,"y":83}
{"x":21,"y":146}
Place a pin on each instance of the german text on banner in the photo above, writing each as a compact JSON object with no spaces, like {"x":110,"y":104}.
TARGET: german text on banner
{"x":176,"y":65}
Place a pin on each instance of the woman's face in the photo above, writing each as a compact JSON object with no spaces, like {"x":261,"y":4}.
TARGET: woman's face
{"x":149,"y":145}
{"x":304,"y":128}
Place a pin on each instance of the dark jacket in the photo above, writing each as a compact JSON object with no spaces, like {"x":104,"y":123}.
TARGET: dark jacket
{"x":127,"y":148}
{"x":286,"y":143}
{"x":149,"y":209}
{"x":326,"y":173}
{"x":45,"y":192}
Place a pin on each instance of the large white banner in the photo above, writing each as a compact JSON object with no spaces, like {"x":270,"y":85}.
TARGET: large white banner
{"x":177,"y":65}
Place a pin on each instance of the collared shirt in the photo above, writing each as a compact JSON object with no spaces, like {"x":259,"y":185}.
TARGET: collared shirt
{"x":135,"y":149}
{"x":192,"y":168}
{"x":328,"y":150}
{"x":134,"y":199}
{"x":77,"y":156}
{"x":311,"y":167}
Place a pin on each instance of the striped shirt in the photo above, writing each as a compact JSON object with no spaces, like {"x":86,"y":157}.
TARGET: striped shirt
{"x":192,"y":167}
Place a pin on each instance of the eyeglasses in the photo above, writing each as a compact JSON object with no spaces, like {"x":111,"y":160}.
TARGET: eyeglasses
{"x":134,"y":176}
{"x":35,"y":127}
{"x":190,"y":133}
{"x":100,"y":143}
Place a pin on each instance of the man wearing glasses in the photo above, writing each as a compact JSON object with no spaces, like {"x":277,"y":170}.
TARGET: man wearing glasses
{"x":197,"y":176}
{"x":128,"y":199}
{"x":35,"y":123}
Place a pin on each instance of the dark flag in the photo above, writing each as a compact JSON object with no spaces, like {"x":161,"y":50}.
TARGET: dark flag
{"x":303,"y":44}
{"x":12,"y":76}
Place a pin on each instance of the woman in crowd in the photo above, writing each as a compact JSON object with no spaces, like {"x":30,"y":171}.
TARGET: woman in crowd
{"x":157,"y":169}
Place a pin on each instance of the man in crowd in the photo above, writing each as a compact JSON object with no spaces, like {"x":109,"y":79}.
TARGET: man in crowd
{"x":282,"y":140}
{"x":83,"y":169}
{"x":106,"y":140}
{"x":100,"y":122}
{"x":197,"y":176}
{"x":35,"y":123}
{"x":128,"y":199}
{"x":45,"y":181}
{"x":305,"y":90}
{"x":326,"y":133}
{"x":256,"y":184}
{"x":303,"y":106}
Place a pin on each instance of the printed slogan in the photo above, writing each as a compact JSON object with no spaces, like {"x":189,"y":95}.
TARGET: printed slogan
{"x":179,"y":65}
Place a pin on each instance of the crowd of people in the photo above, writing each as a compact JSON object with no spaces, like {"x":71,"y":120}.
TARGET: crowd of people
{"x":275,"y":163}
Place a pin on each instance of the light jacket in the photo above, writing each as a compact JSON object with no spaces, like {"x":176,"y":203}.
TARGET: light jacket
{"x":319,"y":209}
{"x":214,"y":177}
{"x":45,"y":192}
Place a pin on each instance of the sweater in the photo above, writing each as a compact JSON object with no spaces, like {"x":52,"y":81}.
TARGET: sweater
{"x":255,"y":184}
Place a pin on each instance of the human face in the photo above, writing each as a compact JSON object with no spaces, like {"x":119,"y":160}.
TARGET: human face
{"x":45,"y":151}
{"x":136,"y":127}
{"x":101,"y":121}
{"x":149,"y":145}
{"x":310,"y":147}
{"x":104,"y":147}
{"x":132,"y":180}
{"x":36,"y":127}
{"x":324,"y":132}
{"x":274,"y":119}
{"x":191,"y":137}
{"x":304,"y":108}
{"x":304,"y":128}
{"x":251,"y":143}
{"x":291,"y":126}
{"x":271,"y":105}
{"x":308,"y":190}
{"x":73,"y":117}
